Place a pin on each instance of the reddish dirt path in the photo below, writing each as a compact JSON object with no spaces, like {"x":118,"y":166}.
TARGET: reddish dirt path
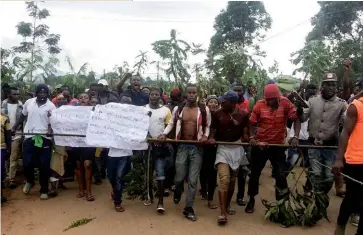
{"x":28,"y":215}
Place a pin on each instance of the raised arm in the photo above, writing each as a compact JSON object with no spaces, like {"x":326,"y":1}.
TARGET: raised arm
{"x":347,"y":69}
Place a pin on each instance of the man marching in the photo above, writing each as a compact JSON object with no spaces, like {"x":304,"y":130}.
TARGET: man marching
{"x":268,"y":126}
{"x":191,"y":122}
{"x":229,"y":124}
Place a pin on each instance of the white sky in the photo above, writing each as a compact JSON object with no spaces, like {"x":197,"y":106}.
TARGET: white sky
{"x":108,"y":33}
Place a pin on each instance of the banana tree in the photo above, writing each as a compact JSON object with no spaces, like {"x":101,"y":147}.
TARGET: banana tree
{"x":175,"y":52}
{"x":314,"y":59}
{"x":74,"y":78}
{"x":142,"y":62}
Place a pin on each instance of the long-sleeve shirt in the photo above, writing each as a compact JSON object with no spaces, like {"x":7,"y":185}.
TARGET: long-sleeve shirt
{"x":325,"y":117}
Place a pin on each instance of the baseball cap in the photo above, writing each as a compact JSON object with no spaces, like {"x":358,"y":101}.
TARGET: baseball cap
{"x":330,"y":77}
{"x":103,"y":82}
{"x":229,"y":96}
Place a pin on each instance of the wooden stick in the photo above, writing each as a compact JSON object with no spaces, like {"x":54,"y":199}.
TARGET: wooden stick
{"x":241,"y":144}
{"x":195,"y":142}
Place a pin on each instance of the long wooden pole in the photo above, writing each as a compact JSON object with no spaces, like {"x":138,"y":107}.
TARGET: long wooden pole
{"x":150,"y":140}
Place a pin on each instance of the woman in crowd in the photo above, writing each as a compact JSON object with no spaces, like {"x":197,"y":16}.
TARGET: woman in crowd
{"x":208,"y":173}
{"x":84,"y":158}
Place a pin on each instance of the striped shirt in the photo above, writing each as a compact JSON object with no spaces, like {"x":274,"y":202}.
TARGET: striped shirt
{"x":271,"y":124}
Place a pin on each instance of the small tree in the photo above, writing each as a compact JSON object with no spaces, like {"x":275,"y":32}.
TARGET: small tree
{"x":36,"y":40}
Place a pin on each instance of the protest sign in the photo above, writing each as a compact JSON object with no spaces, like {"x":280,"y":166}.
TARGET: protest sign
{"x":120,"y":126}
{"x":70,"y":120}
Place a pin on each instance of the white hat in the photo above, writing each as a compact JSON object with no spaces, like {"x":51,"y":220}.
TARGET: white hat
{"x":103,"y":82}
{"x":86,"y":90}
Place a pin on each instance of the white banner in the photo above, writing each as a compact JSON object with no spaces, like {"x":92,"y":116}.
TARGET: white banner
{"x":70,"y":120}
{"x":120,"y":126}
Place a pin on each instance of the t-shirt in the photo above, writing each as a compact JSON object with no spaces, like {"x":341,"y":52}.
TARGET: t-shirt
{"x":304,"y":134}
{"x":114,"y":152}
{"x":158,"y":119}
{"x":38,"y":120}
{"x":244,"y":105}
{"x":271,"y":124}
{"x":12,"y":108}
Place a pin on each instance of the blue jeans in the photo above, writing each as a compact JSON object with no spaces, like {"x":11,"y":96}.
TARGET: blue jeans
{"x":293,"y":154}
{"x":321,"y":177}
{"x":160,"y":155}
{"x":117,"y":168}
{"x":37,"y":157}
{"x":189,"y":159}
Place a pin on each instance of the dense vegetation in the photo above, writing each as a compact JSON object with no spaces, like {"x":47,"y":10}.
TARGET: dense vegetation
{"x":233,"y":55}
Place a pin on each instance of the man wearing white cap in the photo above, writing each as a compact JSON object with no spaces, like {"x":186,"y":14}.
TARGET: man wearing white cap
{"x":104,"y":95}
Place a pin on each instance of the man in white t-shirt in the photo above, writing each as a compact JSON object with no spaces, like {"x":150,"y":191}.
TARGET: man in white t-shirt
{"x":13,"y":108}
{"x":159,"y":118}
{"x":37,"y":149}
{"x":118,"y":165}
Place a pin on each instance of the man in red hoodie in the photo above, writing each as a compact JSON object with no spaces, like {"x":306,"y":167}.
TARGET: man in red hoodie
{"x":268,"y":126}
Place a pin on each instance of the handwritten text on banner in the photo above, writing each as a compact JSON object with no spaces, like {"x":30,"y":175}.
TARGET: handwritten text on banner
{"x":70,"y":120}
{"x":118,"y":125}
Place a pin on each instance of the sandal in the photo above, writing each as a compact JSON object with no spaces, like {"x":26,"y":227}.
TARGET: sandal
{"x":119,"y":208}
{"x":90,"y":198}
{"x":148,"y":203}
{"x":222,"y":220}
{"x":80,"y":195}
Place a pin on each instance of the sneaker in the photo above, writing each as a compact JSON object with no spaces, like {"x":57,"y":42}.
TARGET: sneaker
{"x":27,"y":188}
{"x":189,"y":214}
{"x":355,"y":220}
{"x":160,"y":208}
{"x":44,"y":196}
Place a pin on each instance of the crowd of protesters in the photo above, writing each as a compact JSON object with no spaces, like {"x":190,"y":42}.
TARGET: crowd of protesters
{"x":313,"y":116}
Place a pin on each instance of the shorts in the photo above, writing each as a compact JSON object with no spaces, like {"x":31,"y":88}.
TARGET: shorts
{"x":82,"y":154}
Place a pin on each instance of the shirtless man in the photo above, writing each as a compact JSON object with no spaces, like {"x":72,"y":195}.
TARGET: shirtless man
{"x":191,"y":123}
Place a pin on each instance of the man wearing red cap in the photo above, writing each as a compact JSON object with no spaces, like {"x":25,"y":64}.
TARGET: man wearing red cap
{"x":268,"y":126}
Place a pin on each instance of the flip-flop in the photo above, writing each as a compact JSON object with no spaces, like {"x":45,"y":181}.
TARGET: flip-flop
{"x":90,"y":198}
{"x":222,"y":220}
{"x":119,"y":208}
{"x":148,"y":203}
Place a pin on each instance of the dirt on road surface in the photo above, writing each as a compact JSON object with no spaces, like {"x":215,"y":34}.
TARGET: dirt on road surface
{"x":29,"y":215}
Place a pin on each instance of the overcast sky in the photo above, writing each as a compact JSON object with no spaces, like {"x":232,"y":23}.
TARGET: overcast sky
{"x":107,"y":33}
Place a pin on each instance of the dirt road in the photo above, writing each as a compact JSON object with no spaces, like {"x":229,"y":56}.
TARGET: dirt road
{"x":28,"y":215}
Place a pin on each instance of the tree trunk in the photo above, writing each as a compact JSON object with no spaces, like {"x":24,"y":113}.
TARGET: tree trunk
{"x":32,"y":53}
